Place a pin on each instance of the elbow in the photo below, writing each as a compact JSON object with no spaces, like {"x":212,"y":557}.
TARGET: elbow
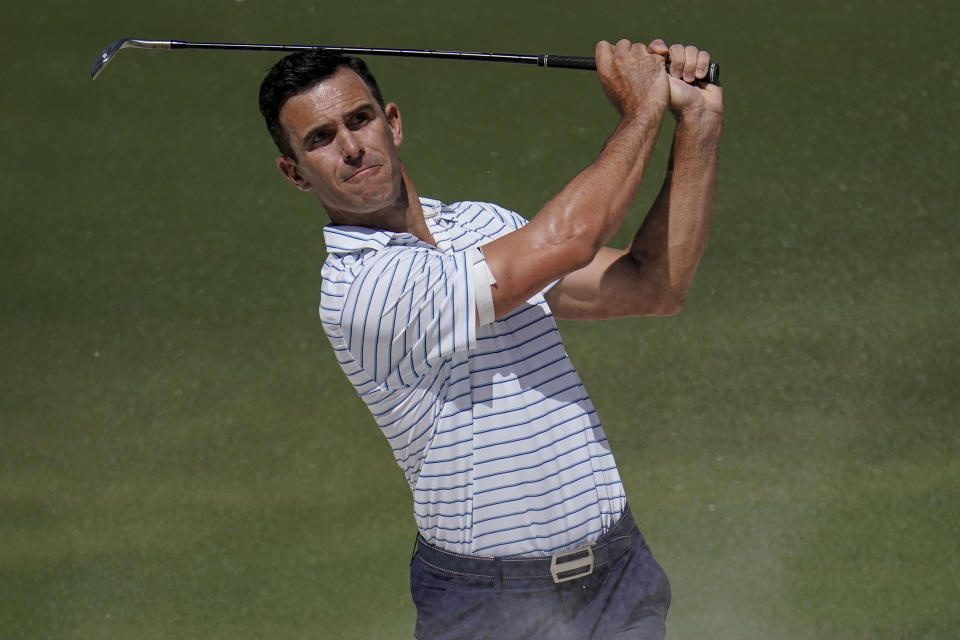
{"x":666,"y":305}
{"x":667,"y":302}
{"x":650,"y":305}
{"x":580,"y":255}
{"x":578,"y":245}
{"x":655,"y":292}
{"x":572,"y":232}
{"x":672,"y":306}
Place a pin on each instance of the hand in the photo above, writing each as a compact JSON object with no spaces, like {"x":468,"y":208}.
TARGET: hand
{"x":686,"y":65}
{"x":633,"y":78}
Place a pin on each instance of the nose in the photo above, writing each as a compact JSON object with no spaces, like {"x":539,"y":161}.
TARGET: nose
{"x":351,"y":147}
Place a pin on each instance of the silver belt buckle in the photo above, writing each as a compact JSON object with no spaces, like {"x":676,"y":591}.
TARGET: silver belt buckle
{"x":571,"y":565}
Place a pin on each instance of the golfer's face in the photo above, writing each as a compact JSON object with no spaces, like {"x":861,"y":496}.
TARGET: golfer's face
{"x":346,"y":147}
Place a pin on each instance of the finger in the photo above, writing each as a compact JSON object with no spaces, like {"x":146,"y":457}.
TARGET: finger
{"x":690,"y":63}
{"x":619,"y":50}
{"x":677,"y":58}
{"x":658,"y":47}
{"x":703,"y":64}
{"x":603,"y":54}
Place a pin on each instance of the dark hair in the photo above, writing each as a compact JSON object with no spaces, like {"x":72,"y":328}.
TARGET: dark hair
{"x":297,"y":73}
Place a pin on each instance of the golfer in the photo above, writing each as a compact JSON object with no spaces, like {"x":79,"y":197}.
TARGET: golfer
{"x":442,"y":317}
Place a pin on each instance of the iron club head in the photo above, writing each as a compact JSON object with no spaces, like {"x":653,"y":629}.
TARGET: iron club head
{"x":122,"y":43}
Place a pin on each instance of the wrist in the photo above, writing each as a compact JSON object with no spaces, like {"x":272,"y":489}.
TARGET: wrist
{"x":650,"y":114}
{"x":697,"y":112}
{"x":700,"y":123}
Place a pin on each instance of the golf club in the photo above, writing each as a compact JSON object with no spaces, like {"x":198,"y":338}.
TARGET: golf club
{"x":542,"y":60}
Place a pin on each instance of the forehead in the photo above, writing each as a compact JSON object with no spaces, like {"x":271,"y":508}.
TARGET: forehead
{"x":327,"y":101}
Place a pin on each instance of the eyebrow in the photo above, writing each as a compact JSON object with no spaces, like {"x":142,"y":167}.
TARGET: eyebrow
{"x":364,"y":106}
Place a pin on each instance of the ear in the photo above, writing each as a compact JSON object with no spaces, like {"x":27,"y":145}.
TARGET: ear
{"x":392,"y":111}
{"x":290,"y":171}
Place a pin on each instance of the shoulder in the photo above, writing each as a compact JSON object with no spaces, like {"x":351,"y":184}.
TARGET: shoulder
{"x":357,"y":256}
{"x":484,"y":215}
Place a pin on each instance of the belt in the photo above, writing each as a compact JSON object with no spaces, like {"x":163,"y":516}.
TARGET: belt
{"x":561,"y":566}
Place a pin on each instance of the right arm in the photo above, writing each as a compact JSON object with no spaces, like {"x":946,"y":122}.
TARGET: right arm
{"x":573,"y":226}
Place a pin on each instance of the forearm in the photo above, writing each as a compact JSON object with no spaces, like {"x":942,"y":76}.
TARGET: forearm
{"x":670,"y":243}
{"x":591,"y":208}
{"x":572,"y":227}
{"x":652,"y":276}
{"x":567,"y":234}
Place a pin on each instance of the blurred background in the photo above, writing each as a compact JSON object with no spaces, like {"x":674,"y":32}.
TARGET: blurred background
{"x":181,"y":457}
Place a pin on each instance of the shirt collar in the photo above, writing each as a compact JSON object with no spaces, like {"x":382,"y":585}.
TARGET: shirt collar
{"x":344,"y":239}
{"x":431,"y":208}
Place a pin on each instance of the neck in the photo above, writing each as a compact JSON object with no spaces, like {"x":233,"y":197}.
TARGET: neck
{"x":404,"y":215}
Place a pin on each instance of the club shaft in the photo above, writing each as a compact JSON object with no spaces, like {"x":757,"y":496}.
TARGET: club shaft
{"x":356,"y":51}
{"x":539,"y":60}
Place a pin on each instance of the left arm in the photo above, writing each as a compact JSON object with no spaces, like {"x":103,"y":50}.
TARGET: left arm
{"x":652,"y":276}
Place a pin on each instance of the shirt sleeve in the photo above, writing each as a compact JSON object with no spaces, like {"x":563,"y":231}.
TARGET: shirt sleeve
{"x":512,"y":221}
{"x":483,"y":279}
{"x":408,"y":311}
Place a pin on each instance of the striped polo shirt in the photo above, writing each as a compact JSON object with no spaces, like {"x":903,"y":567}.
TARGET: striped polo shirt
{"x":491,"y":424}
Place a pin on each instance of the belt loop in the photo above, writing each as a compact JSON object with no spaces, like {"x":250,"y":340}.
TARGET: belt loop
{"x":497,"y":575}
{"x":416,"y":547}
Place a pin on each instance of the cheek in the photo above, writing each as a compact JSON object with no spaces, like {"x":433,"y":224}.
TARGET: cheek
{"x":322,"y":171}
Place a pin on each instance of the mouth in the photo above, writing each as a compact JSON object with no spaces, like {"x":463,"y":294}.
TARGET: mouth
{"x":363,"y":173}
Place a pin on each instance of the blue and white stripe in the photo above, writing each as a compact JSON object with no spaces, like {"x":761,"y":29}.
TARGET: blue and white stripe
{"x":491,"y":425}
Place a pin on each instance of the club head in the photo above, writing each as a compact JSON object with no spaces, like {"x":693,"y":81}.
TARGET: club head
{"x":112,"y":50}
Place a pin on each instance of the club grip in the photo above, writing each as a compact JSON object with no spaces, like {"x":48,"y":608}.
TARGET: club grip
{"x":568,"y":62}
{"x":580,"y":62}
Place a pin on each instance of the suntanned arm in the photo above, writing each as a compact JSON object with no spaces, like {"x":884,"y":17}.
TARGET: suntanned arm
{"x":652,"y":276}
{"x":570,"y":230}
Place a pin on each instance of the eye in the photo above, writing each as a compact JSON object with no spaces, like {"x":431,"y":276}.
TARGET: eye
{"x":320,"y":138}
{"x":359,"y":119}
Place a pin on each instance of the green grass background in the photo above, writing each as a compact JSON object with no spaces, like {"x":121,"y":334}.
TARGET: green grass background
{"x":180,"y":456}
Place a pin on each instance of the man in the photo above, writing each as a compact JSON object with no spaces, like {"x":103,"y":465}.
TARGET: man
{"x":442,"y":316}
